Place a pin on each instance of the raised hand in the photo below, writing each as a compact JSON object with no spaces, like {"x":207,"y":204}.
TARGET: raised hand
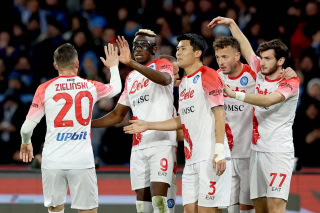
{"x":220,"y":21}
{"x":288,"y":73}
{"x":26,"y":152}
{"x":136,"y":126}
{"x":125,"y":54}
{"x":228,"y":91}
{"x":112,"y":58}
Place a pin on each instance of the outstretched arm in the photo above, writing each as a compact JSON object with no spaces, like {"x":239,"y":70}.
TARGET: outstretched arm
{"x":142,"y":126}
{"x":112,"y":118}
{"x":245,"y":47}
{"x":161,"y":78}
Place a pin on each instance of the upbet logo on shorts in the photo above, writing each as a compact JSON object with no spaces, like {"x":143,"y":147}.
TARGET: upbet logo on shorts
{"x":72,"y":136}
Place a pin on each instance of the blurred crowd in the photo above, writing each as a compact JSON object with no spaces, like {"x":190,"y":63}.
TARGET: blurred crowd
{"x":30,"y":31}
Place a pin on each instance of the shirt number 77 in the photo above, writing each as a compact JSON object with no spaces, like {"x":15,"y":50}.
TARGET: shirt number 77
{"x":283,"y":176}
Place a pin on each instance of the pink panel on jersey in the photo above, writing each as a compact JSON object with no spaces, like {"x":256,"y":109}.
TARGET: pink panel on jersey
{"x":255,"y":132}
{"x":229,"y":136}
{"x":36,"y":111}
{"x":289,"y":88}
{"x":136,"y":139}
{"x":187,"y":151}
{"x":212,"y":86}
{"x":103,"y":90}
{"x":164,"y":65}
{"x":255,"y":63}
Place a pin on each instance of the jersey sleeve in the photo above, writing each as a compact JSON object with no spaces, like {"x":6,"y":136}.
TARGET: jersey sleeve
{"x":36,"y":111}
{"x":124,"y":100}
{"x":288,"y":88}
{"x":103,"y":90}
{"x":213,"y":87}
{"x":164,"y":65}
{"x":255,"y":63}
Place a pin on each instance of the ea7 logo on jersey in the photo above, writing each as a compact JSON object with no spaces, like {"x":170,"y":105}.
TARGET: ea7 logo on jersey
{"x":72,"y":136}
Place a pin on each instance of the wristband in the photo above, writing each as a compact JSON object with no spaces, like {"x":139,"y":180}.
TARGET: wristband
{"x":240,"y":96}
{"x":219,"y":150}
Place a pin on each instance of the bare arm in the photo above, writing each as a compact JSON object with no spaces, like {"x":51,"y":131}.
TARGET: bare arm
{"x":112,"y":118}
{"x":161,"y":78}
{"x":258,"y":99}
{"x":220,"y":123}
{"x":142,"y":126}
{"x":245,"y":46}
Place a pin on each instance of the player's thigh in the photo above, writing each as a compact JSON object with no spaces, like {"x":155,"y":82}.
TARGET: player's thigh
{"x":276,"y":205}
{"x":235,"y":183}
{"x":162,"y":160}
{"x":55,"y":187}
{"x":190,"y":185}
{"x":139,"y":170}
{"x":83,"y":188}
{"x":190,"y":208}
{"x":260,"y":205}
{"x":243,"y":166}
{"x":214,"y":191}
{"x":278,"y":169}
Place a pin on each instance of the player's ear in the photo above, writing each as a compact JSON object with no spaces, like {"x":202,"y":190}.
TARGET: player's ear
{"x":238,"y":55}
{"x":155,"y":48}
{"x":198,"y":53}
{"x":281,"y":61}
{"x":55,"y":65}
{"x":77,"y":64}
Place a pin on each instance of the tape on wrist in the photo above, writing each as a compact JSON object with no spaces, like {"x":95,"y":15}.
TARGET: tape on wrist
{"x":219,"y":150}
{"x":240,"y":96}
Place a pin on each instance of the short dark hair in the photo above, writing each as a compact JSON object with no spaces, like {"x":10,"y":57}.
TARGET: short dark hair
{"x":65,"y":55}
{"x":196,"y":41}
{"x":280,"y":49}
{"x":225,"y":41}
{"x":168,"y":57}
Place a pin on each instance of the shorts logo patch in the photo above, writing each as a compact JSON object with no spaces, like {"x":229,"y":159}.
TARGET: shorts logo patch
{"x":244,"y":81}
{"x":171,"y":203}
{"x":195,"y":80}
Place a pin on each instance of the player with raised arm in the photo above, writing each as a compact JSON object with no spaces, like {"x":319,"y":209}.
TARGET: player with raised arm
{"x":239,"y":77}
{"x":149,"y":93}
{"x":206,"y":180}
{"x":67,"y":157}
{"x":275,"y":101}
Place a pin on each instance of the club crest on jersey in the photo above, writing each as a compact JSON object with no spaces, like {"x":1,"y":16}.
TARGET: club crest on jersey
{"x":152,"y":66}
{"x":244,"y":81}
{"x":171,"y":203}
{"x":195,"y":80}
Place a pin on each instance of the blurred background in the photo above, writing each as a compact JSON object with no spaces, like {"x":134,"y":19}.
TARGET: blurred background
{"x":30,"y":31}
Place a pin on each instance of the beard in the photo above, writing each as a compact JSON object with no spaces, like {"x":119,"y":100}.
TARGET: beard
{"x":269,"y":71}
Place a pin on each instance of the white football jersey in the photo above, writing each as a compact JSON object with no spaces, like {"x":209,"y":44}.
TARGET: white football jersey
{"x":198,"y":93}
{"x":67,"y":102}
{"x":272,"y":126}
{"x":150,"y":102}
{"x":238,"y":113}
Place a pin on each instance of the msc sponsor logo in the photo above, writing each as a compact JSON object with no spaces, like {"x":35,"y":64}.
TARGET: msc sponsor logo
{"x":195,"y":79}
{"x":140,"y":100}
{"x":244,"y":81}
{"x":171,"y":203}
{"x":72,"y":136}
{"x":188,"y":110}
{"x":233,"y":108}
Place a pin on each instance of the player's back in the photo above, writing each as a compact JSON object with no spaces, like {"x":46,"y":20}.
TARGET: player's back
{"x":67,"y":102}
